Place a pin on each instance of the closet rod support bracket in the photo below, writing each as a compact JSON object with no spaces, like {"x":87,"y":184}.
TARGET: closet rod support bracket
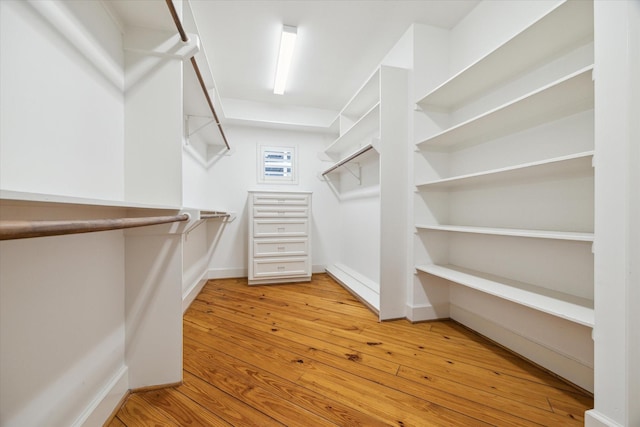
{"x":163,"y":44}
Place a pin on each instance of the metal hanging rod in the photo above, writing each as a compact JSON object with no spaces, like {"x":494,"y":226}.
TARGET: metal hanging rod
{"x":184,"y":38}
{"x":348,"y":159}
{"x":10,"y":230}
{"x":213,"y":214}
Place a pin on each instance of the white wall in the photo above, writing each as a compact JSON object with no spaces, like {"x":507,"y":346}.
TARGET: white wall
{"x":56,"y":105}
{"x":153,"y":130}
{"x":489,"y":25}
{"x":232,"y":176}
{"x":62,"y":331}
{"x":62,"y":327}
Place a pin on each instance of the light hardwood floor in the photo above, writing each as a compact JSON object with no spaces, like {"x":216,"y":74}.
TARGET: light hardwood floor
{"x":312,"y":355}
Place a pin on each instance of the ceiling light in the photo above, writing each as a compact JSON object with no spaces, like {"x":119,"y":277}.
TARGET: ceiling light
{"x":287,"y":43}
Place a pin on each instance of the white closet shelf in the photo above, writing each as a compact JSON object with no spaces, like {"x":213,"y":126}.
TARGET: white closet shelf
{"x":368,"y":95}
{"x":515,"y":232}
{"x":569,"y":307}
{"x":567,"y":25}
{"x":569,"y":95}
{"x":349,"y":158}
{"x":563,"y":166}
{"x":367,"y":126}
{"x":19,"y":196}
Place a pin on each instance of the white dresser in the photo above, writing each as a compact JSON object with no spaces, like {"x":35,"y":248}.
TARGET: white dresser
{"x":279,"y":237}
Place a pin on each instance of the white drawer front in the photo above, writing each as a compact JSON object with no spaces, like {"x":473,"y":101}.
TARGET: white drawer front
{"x":280,"y":199}
{"x":277,"y":228}
{"x":280,"y":247}
{"x":280,"y":212}
{"x":267,"y":267}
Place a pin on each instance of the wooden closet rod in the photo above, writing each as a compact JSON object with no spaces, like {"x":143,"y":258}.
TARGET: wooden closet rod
{"x":184,"y":38}
{"x":10,"y":230}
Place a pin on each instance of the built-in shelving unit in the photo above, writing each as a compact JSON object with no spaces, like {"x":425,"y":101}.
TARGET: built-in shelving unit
{"x":514,"y":232}
{"x":564,"y":166}
{"x":372,"y":123}
{"x":569,"y":307}
{"x":368,"y":126}
{"x":359,"y":133}
{"x":359,"y":126}
{"x":203,"y":133}
{"x":504,"y":176}
{"x":21,"y":196}
{"x":117,"y":170}
{"x":568,"y":25}
{"x":567,"y":96}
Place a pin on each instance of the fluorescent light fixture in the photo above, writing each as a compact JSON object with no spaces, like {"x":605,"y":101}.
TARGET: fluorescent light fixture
{"x":287,"y":43}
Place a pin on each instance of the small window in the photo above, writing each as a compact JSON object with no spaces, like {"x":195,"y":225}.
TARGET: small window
{"x":277,"y":165}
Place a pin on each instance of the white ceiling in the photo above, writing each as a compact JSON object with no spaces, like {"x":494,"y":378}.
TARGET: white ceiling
{"x":339,"y":43}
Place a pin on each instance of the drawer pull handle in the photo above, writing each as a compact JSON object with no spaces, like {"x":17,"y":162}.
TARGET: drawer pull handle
{"x":281,"y":248}
{"x":281,"y":268}
{"x":280,"y":229}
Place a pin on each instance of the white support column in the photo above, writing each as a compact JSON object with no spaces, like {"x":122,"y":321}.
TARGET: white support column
{"x":153,"y":306}
{"x":616,"y":208}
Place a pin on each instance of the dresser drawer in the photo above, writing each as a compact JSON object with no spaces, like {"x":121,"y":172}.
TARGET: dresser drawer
{"x":286,"y":267}
{"x":280,"y":228}
{"x":280,"y":247}
{"x":283,"y":199}
{"x":280,"y":212}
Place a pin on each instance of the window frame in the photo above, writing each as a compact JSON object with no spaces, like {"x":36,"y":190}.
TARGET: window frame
{"x":264,"y":178}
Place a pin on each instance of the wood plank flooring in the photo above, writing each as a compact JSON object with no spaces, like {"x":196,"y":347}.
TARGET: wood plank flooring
{"x":312,"y":355}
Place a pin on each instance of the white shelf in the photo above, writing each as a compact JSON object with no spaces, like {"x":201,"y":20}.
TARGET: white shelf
{"x":570,"y":165}
{"x":569,"y":307}
{"x":367,"y":126}
{"x":349,"y":158}
{"x":566,"y":26}
{"x":515,"y":232}
{"x":365,"y":98}
{"x":19,"y":196}
{"x":566,"y":96}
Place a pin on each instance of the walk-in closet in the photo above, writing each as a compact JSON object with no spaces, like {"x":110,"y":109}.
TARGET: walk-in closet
{"x":297,"y":213}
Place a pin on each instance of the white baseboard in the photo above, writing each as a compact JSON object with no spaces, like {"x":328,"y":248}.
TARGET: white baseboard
{"x":227,"y":273}
{"x":594,"y":418}
{"x":360,"y":285}
{"x":318,"y":268}
{"x":543,"y":355}
{"x":193,"y":291}
{"x":232,"y":273}
{"x":421,"y":313}
{"x":106,"y":401}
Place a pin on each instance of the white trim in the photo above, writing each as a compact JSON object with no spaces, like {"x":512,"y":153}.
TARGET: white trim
{"x":227,"y":273}
{"x":423,"y":312}
{"x":362,"y":286}
{"x":594,"y":418}
{"x":545,"y":356}
{"x":318,"y":268}
{"x":263,"y":179}
{"x":106,"y":400}
{"x":234,"y":273}
{"x":192,"y":292}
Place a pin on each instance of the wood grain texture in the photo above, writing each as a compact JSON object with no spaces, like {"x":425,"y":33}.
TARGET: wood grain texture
{"x":312,"y":355}
{"x":20,"y":229}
